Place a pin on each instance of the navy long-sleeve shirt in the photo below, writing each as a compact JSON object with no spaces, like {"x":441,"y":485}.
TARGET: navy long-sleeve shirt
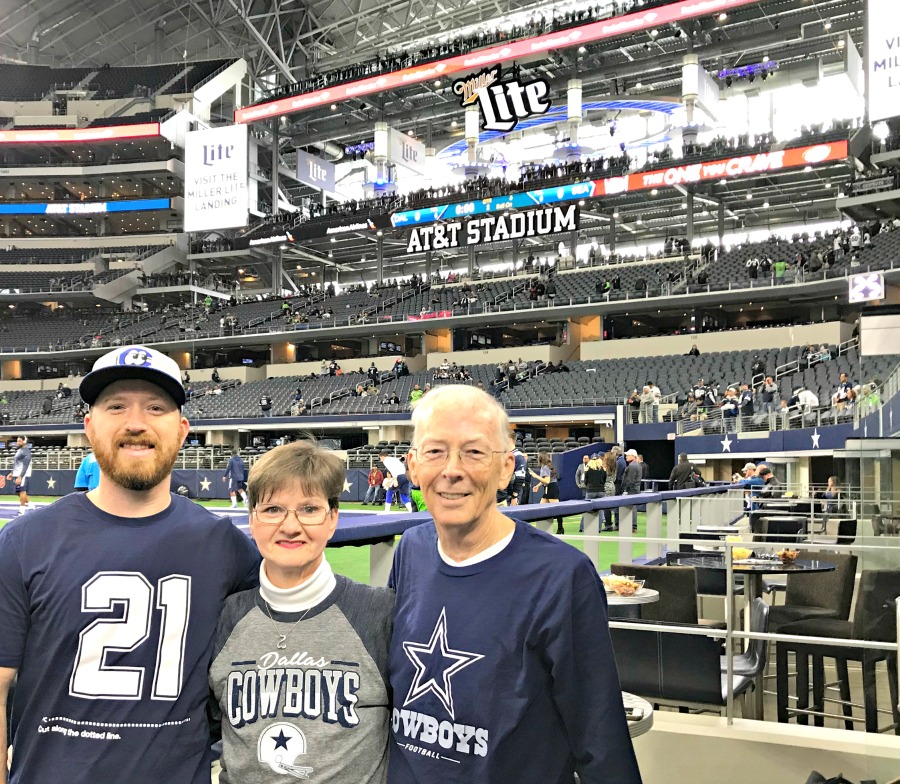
{"x":503,"y":671}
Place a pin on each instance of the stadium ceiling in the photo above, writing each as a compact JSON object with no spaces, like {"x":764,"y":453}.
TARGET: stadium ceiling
{"x":274,"y":35}
{"x":285,"y":37}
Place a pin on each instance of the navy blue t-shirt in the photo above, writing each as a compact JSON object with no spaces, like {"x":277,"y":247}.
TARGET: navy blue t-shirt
{"x":503,"y":671}
{"x":110,"y":622}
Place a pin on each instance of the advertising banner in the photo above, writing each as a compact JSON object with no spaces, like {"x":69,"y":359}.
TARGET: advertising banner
{"x":724,"y":169}
{"x":215,"y":179}
{"x":66,"y":135}
{"x":85,"y":207}
{"x":642,"y":19}
{"x":315,"y":171}
{"x":404,"y":150}
{"x":883,"y":59}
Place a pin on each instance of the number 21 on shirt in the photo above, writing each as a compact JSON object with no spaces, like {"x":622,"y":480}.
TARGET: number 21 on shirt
{"x":92,"y":678}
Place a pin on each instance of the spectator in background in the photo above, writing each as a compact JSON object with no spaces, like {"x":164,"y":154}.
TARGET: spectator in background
{"x":694,"y":352}
{"x":745,"y":403}
{"x":579,"y":474}
{"x":646,"y":405}
{"x":757,"y":368}
{"x":88,"y":475}
{"x":730,"y":409}
{"x":769,"y":393}
{"x":265,"y":406}
{"x":609,"y":487}
{"x":594,"y":480}
{"x":807,"y":400}
{"x":415,"y":394}
{"x":519,"y":482}
{"x":216,"y":379}
{"x":839,"y":398}
{"x":236,"y":476}
{"x":681,"y":477}
{"x":549,"y":479}
{"x":631,"y":480}
{"x":645,"y":470}
{"x":779,"y":270}
{"x":375,"y":478}
{"x":657,"y":399}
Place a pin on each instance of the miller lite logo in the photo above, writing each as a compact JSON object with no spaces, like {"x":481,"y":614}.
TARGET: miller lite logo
{"x":503,"y":102}
{"x":213,"y":153}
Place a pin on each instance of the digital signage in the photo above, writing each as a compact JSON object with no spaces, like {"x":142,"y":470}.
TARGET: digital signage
{"x":85,"y":207}
{"x":723,"y":169}
{"x":484,"y":58}
{"x":65,"y":135}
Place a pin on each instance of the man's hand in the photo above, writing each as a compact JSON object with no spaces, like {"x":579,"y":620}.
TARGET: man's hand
{"x":18,"y":480}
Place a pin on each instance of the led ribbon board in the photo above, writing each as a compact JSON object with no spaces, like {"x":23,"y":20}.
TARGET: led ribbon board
{"x":66,"y":135}
{"x":484,"y":58}
{"x":726,"y":168}
{"x":85,"y":207}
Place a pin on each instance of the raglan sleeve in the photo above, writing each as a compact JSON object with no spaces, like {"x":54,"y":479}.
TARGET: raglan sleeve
{"x":14,"y":613}
{"x":586,"y":687}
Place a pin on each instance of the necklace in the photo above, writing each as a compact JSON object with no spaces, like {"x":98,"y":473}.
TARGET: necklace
{"x":282,"y":638}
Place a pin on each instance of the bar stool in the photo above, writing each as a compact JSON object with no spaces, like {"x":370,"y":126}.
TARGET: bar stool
{"x":874,"y":619}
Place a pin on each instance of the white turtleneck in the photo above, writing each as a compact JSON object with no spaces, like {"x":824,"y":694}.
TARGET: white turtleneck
{"x":300,"y":597}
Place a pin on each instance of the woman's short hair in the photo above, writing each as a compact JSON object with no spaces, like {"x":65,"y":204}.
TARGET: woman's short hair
{"x":301,"y":463}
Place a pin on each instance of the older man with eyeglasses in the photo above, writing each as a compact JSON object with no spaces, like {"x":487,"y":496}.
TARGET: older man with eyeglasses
{"x":501,"y":664}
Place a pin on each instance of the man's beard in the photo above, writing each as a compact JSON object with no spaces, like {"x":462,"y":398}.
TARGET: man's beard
{"x":137,"y":475}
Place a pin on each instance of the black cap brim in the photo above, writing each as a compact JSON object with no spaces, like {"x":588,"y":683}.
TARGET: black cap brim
{"x":97,"y":380}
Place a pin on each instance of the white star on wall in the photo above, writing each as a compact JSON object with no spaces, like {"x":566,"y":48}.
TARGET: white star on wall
{"x":51,"y":483}
{"x":726,"y":443}
{"x":348,"y":485}
{"x":815,"y":438}
{"x":205,"y":483}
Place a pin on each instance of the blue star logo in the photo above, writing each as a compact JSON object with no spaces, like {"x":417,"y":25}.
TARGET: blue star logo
{"x":281,"y":740}
{"x":436,"y":663}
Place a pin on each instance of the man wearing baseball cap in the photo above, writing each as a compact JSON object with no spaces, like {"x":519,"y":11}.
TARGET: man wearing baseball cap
{"x":109,"y":599}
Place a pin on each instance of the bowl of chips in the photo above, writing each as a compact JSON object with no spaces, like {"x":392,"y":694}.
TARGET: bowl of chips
{"x":741,"y":553}
{"x":622,"y":585}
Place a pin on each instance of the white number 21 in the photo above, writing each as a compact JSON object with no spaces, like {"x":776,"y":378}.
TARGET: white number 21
{"x":91,"y":677}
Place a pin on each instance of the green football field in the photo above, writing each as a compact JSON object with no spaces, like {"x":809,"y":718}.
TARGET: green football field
{"x":353,"y":562}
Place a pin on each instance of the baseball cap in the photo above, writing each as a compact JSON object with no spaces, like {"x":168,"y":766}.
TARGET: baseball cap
{"x":765,"y":471}
{"x":595,"y":456}
{"x":749,"y":466}
{"x":133,"y":362}
{"x":632,"y":452}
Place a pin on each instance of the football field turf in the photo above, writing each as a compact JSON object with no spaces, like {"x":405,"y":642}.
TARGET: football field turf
{"x":353,"y":562}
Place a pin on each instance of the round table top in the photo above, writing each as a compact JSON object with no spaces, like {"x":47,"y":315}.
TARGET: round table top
{"x":641,"y":596}
{"x":640,"y":706}
{"x":756,"y":565}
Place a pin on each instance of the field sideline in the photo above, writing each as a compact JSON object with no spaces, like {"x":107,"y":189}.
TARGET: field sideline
{"x":353,"y":562}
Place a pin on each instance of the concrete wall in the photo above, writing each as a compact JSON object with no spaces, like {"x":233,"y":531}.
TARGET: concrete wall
{"x":685,"y":749}
{"x":493,"y":356}
{"x":832,"y":332}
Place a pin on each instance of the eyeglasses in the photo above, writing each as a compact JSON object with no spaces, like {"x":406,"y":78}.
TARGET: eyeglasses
{"x":272,"y":514}
{"x":472,"y":457}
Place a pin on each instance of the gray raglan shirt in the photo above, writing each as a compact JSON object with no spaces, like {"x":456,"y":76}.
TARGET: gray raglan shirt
{"x":318,"y":709}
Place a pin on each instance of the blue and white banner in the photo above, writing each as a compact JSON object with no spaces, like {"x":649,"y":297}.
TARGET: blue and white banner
{"x":85,"y":207}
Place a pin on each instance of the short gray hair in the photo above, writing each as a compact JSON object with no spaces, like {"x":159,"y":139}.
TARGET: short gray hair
{"x":472,"y":397}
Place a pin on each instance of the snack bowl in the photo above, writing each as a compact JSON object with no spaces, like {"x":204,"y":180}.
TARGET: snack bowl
{"x":741,"y":553}
{"x":788,"y":556}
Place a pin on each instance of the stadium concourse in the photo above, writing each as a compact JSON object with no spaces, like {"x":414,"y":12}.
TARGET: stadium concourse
{"x":666,"y":226}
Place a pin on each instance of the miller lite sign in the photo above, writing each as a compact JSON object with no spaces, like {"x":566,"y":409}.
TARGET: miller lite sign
{"x":315,"y":172}
{"x":503,"y":102}
{"x":215,"y":179}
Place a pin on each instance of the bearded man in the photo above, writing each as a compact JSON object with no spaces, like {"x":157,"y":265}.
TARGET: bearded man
{"x":109,"y":599}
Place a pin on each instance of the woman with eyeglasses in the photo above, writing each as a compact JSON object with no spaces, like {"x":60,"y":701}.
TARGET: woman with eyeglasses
{"x":299,"y":668}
